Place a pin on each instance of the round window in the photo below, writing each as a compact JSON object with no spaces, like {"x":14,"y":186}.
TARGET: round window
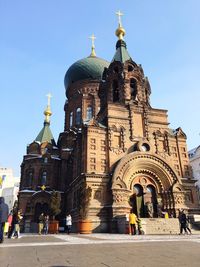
{"x":145,"y":147}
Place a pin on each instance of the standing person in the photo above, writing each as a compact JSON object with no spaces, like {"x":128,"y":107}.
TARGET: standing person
{"x":16,"y":221}
{"x":132,"y":222}
{"x":11,"y":228}
{"x":46,"y":224}
{"x":3,"y":217}
{"x":10,"y":218}
{"x":165,"y":214}
{"x":68,"y":223}
{"x":187,"y":225}
{"x":41,"y":224}
{"x":183,"y":222}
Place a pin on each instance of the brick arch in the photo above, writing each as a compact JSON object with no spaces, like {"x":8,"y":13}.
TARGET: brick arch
{"x":149,"y":164}
{"x":41,"y":196}
{"x":151,"y":179}
{"x":38,"y":198}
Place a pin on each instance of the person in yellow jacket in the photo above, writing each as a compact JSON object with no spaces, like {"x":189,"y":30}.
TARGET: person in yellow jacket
{"x":132,"y":222}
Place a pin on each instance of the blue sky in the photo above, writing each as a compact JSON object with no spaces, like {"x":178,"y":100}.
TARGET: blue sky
{"x":39,"y":40}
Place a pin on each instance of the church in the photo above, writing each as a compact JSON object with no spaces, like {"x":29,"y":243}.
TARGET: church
{"x":114,"y":142}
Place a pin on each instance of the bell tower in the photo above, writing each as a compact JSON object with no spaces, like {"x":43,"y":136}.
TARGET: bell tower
{"x":125,"y":89}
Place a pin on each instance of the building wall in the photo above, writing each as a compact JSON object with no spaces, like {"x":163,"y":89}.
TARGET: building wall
{"x":194,"y":156}
{"x":9,"y":186}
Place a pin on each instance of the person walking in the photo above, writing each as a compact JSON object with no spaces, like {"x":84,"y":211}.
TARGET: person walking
{"x":11,"y":221}
{"x":10,"y":218}
{"x":183,"y":222}
{"x":132,"y":222}
{"x":16,"y":220}
{"x":68,"y":223}
{"x":3,"y":217}
{"x":188,"y":225}
{"x":46,"y":224}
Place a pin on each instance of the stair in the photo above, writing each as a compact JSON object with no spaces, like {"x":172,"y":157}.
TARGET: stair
{"x":157,"y":226}
{"x":161,"y":226}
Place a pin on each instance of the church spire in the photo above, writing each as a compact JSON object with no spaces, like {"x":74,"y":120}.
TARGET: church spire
{"x":45,"y":134}
{"x":93,"y":53}
{"x":121,"y":53}
{"x":120,"y":32}
{"x":47,"y":111}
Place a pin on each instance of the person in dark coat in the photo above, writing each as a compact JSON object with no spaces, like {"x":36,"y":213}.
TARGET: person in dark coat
{"x":46,"y":224}
{"x":3,"y":217}
{"x":183,"y":222}
{"x":188,"y":225}
{"x":16,"y":220}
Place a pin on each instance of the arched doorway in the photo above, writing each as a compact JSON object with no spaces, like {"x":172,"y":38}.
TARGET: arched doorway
{"x":144,"y":169}
{"x":137,"y":201}
{"x":150,"y":201}
{"x":40,"y":208}
{"x":144,"y":201}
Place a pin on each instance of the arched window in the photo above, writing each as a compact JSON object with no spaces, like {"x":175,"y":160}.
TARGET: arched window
{"x":116,"y":70}
{"x":133,"y":86}
{"x":78,"y":116}
{"x":115,"y":88}
{"x":71,"y":119}
{"x":130,"y":68}
{"x":30,"y":178}
{"x":89,"y":113}
{"x":138,"y":190}
{"x":44,"y":178}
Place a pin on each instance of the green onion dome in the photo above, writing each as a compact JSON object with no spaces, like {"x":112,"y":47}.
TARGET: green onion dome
{"x":91,"y":67}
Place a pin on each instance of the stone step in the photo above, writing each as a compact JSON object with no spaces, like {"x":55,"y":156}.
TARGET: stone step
{"x":157,"y":226}
{"x":160,"y":226}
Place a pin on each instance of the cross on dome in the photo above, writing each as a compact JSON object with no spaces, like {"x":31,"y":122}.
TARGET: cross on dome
{"x":93,"y":37}
{"x":120,"y":32}
{"x":47,"y":111}
{"x":119,"y":14}
{"x":49,"y":96}
{"x":93,"y":53}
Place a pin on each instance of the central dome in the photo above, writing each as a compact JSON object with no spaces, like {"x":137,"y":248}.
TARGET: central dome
{"x":87,"y":68}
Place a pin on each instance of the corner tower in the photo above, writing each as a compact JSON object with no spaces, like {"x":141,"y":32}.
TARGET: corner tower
{"x":39,"y":174}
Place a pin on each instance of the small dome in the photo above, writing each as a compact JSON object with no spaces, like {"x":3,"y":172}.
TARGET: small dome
{"x":87,"y":68}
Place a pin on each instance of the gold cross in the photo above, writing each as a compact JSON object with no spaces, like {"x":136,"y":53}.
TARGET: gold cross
{"x":119,"y":14}
{"x":49,"y":96}
{"x":93,"y":37}
{"x":93,"y":54}
{"x":43,"y":187}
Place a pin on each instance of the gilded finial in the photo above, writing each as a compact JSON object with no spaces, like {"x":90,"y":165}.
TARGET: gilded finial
{"x":47,"y":111}
{"x":92,"y":37}
{"x":120,"y":32}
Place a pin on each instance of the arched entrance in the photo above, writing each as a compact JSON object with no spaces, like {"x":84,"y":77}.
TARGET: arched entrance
{"x":40,"y":208}
{"x":151,"y":198}
{"x":137,"y":201}
{"x":144,"y":201}
{"x":40,"y":203}
{"x":141,"y":179}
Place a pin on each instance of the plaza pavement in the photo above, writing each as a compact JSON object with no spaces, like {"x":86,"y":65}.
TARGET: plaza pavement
{"x":111,"y":250}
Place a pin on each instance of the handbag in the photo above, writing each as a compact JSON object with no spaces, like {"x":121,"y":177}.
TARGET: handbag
{"x":6,"y":227}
